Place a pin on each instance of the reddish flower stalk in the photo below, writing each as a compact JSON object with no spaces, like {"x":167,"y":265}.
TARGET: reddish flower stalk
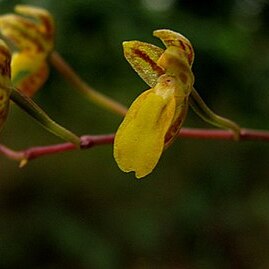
{"x":89,"y":141}
{"x":245,"y":134}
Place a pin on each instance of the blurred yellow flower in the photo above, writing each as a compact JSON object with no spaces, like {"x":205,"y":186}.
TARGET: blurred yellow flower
{"x":32,"y":34}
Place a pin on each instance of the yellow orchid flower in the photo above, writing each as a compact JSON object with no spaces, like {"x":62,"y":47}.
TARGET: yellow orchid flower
{"x":156,"y":116}
{"x":33,"y":37}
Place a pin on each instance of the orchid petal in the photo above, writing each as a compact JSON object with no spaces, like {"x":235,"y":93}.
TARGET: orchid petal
{"x":171,"y":38}
{"x":143,"y":58}
{"x":139,"y":141}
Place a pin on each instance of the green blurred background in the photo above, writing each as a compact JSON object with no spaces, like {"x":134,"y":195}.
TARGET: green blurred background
{"x":206,"y":205}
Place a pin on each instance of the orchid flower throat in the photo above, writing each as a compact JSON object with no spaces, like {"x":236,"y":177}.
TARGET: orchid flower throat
{"x":178,"y":79}
{"x":175,"y":63}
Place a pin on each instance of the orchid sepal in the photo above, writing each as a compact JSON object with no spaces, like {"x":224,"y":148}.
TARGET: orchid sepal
{"x":204,"y":112}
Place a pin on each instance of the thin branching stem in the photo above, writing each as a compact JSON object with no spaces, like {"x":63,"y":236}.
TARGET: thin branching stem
{"x":245,"y":134}
{"x":89,"y":141}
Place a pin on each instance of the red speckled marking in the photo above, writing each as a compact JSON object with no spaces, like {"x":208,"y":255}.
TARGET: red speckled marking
{"x":5,"y":65}
{"x":147,"y":59}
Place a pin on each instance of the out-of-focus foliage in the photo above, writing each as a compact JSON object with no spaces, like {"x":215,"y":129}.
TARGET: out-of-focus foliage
{"x":206,"y":205}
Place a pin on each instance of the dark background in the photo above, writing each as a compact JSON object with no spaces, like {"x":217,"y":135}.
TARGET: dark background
{"x":206,"y":205}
